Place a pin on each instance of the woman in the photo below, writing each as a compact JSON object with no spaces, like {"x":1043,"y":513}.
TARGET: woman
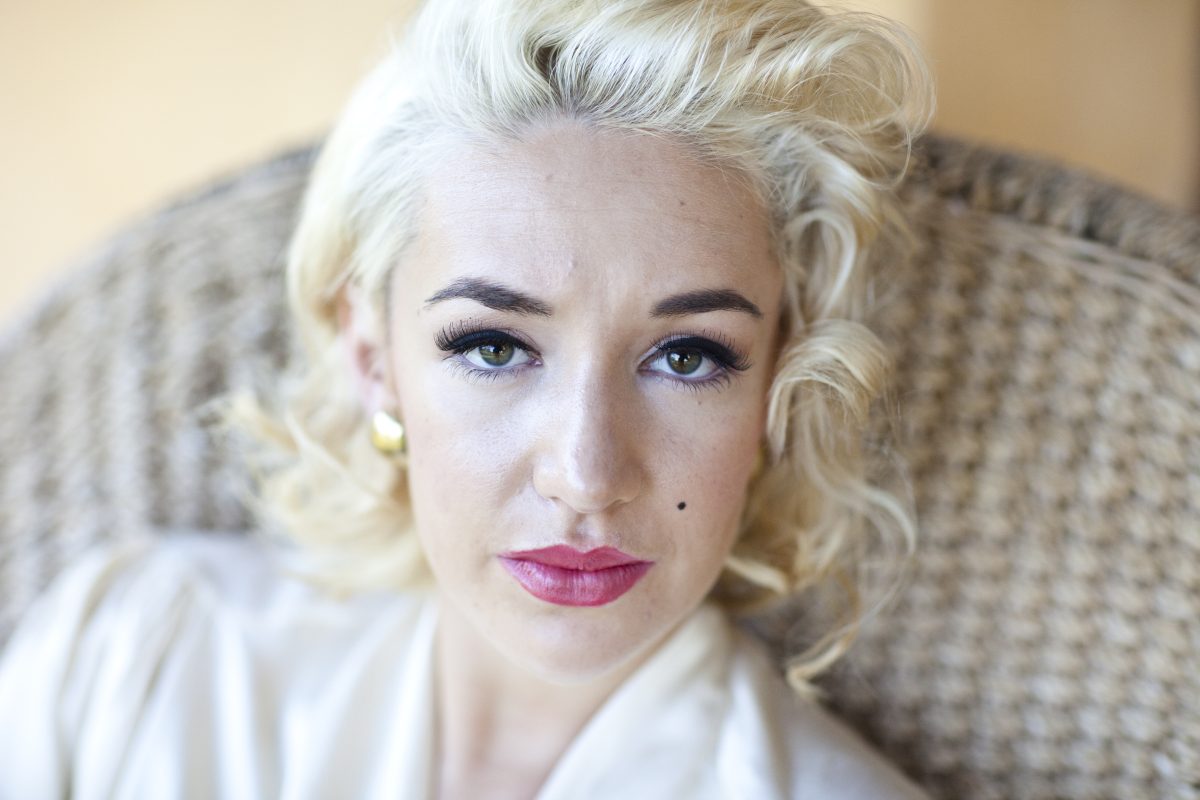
{"x":582,"y":287}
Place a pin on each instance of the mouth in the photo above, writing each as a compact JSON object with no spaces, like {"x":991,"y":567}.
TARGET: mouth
{"x":568,"y":577}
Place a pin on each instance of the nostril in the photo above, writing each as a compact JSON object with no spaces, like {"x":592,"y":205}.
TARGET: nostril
{"x":588,"y":481}
{"x":589,"y":455}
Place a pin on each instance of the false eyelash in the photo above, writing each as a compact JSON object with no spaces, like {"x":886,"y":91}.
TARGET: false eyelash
{"x":712,"y":344}
{"x":460,"y":337}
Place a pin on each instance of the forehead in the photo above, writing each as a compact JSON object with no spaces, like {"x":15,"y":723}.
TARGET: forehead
{"x":613,"y":205}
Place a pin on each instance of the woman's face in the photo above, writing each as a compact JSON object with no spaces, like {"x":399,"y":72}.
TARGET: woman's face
{"x":581,"y":341}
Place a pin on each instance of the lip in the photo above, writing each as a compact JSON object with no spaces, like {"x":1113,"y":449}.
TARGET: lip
{"x":568,"y":577}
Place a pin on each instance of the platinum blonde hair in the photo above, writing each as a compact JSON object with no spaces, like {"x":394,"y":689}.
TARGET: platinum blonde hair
{"x":817,"y":109}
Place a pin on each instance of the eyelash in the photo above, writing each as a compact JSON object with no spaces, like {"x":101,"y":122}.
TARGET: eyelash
{"x":460,"y":338}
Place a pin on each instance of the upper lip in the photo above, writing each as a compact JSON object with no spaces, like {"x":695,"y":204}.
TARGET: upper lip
{"x":567,"y":557}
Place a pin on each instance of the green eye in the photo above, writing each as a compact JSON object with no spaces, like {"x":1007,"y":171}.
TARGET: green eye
{"x":684,"y":362}
{"x":497,"y":354}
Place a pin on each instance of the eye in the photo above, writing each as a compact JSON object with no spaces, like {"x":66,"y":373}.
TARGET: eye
{"x":696,"y":359}
{"x":688,"y":362}
{"x":496,"y":354}
{"x":484,"y":352}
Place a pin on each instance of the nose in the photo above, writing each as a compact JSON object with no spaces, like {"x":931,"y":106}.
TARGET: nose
{"x":590,"y":458}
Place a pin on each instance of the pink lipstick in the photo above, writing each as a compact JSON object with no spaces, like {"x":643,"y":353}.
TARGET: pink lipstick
{"x":568,"y":577}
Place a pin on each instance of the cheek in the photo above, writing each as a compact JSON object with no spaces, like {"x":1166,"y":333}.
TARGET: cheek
{"x":462,"y":465}
{"x":708,"y":472}
{"x":710,"y":449}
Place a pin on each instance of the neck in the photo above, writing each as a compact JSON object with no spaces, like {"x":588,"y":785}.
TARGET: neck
{"x":498,"y":724}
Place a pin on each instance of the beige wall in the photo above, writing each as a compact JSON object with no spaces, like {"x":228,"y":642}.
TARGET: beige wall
{"x":111,"y":108}
{"x":1109,"y":84}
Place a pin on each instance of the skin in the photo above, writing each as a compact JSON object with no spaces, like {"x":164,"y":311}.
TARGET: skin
{"x":568,"y":427}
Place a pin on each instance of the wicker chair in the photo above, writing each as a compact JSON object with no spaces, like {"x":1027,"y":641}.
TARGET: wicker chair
{"x":1048,"y":341}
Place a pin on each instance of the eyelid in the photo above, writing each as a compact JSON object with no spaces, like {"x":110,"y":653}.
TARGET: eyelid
{"x":712,"y":344}
{"x":726,"y":358}
{"x":462,"y":336}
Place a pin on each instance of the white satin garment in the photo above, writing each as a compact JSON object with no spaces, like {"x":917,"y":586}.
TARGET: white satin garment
{"x":196,"y":668}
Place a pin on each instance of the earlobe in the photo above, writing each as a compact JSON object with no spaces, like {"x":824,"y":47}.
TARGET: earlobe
{"x":359,"y":337}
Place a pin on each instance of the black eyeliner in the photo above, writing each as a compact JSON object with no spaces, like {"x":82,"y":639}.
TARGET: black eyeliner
{"x":461,"y":337}
{"x":712,"y":346}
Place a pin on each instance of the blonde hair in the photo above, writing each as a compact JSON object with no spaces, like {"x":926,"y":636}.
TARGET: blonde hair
{"x":818,"y":109}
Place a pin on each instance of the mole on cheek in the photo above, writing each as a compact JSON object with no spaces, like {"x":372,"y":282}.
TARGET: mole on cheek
{"x":682,"y":505}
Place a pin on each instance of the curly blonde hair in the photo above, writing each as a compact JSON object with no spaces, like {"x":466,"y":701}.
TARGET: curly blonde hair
{"x":817,"y":109}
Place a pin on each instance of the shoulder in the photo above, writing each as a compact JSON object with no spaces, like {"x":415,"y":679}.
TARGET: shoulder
{"x":792,"y":747}
{"x":235,"y":576}
{"x":138,"y":647}
{"x":96,"y":633}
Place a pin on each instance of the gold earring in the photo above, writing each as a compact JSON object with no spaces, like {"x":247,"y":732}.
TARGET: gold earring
{"x":760,"y":462}
{"x":387,"y":434}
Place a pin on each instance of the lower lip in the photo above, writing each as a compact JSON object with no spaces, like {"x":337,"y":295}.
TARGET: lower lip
{"x":575,"y":587}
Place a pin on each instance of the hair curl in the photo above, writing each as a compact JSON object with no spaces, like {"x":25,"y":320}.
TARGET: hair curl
{"x":818,"y":109}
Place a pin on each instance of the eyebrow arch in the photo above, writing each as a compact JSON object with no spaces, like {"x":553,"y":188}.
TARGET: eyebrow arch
{"x":493,"y":295}
{"x":501,"y":298}
{"x":703,"y":300}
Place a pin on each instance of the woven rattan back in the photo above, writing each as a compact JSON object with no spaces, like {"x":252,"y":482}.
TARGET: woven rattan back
{"x":1048,"y":340}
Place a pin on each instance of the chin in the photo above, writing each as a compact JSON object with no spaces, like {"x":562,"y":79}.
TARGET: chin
{"x":580,"y":645}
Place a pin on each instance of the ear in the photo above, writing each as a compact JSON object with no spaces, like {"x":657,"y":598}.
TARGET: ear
{"x":361,"y":336}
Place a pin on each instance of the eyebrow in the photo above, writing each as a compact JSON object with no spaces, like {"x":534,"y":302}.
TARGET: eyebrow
{"x":493,"y":295}
{"x":702,"y":301}
{"x":501,"y":298}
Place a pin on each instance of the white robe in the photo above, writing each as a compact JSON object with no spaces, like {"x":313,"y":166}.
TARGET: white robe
{"x":196,"y":668}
